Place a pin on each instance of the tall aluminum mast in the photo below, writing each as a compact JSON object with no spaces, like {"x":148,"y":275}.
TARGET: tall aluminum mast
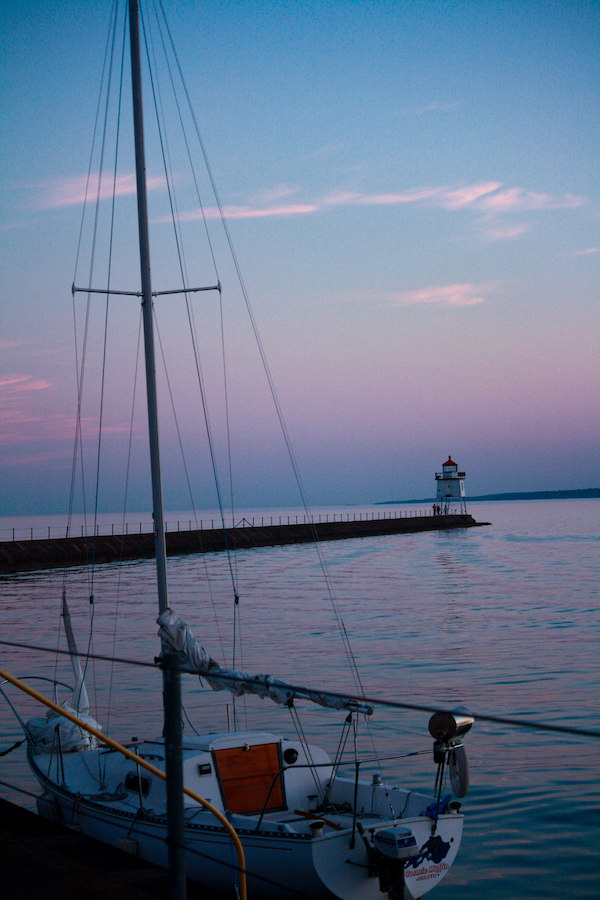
{"x":170,"y":661}
{"x":142,"y":204}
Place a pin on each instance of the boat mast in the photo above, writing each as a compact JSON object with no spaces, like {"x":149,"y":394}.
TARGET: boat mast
{"x":170,"y":661}
{"x":147,"y":311}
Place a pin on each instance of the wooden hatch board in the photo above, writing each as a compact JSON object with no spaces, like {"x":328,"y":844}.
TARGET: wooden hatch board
{"x":247,"y":774}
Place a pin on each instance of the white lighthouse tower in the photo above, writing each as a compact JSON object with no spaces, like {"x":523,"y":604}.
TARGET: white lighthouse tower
{"x":450,"y":495}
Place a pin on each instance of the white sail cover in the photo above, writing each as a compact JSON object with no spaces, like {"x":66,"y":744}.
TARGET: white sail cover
{"x":54,"y":732}
{"x":177,"y":636}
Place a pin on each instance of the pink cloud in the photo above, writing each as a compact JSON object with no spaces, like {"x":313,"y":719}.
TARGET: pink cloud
{"x":340,"y":198}
{"x":416,"y":195}
{"x":12,"y":384}
{"x":74,"y":191}
{"x":454,"y":198}
{"x":517,"y":199}
{"x":466,"y":294}
{"x":291,"y":209}
{"x":587,"y":251}
{"x":20,"y":427}
{"x":507,"y":233}
{"x":484,"y":196}
{"x":245,"y":212}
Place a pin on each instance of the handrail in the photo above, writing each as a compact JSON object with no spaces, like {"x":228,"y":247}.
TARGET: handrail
{"x":19,"y":534}
{"x":138,"y":760}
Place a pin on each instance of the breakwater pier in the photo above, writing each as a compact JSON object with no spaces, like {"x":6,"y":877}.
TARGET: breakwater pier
{"x":30,"y":553}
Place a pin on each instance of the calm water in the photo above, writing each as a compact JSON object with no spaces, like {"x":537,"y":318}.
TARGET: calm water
{"x":504,"y":619}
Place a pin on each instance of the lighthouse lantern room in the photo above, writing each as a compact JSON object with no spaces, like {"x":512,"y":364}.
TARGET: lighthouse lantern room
{"x":450,"y":494}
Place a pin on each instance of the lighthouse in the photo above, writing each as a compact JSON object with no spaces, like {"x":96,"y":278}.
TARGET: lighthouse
{"x":450,"y":494}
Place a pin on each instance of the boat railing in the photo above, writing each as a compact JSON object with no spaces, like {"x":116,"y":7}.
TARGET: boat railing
{"x":13,"y":534}
{"x":139,"y":761}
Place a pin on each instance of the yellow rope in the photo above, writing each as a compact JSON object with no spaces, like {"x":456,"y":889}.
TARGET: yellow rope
{"x":145,"y":765}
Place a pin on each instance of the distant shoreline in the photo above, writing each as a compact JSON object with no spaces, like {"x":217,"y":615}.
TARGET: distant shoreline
{"x":585,"y":494}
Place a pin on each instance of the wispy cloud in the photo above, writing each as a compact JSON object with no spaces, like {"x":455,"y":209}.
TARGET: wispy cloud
{"x":467,"y":195}
{"x":465,"y":294}
{"x":19,"y":426}
{"x":76,"y":190}
{"x":488,"y":198}
{"x":415,"y":195}
{"x":246,"y":212}
{"x":508,"y":232}
{"x":272,"y":195}
{"x":22,"y":423}
{"x":14,"y":384}
{"x":453,"y":295}
{"x":21,"y":419}
{"x":587,"y":251}
{"x":518,"y":199}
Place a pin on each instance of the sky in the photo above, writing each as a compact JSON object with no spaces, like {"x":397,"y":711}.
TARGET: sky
{"x":411,"y":188}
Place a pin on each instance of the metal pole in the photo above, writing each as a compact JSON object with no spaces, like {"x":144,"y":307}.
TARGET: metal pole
{"x":171,"y":677}
{"x":174,"y":773}
{"x":144,"y":241}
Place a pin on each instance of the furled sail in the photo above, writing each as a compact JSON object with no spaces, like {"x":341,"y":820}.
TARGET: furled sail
{"x":177,"y":636}
{"x":55,"y":732}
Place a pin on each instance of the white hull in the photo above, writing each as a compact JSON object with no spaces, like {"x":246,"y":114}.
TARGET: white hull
{"x":101,"y":793}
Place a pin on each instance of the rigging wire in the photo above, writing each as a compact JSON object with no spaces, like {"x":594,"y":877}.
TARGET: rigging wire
{"x":80,"y":361}
{"x":80,"y":366}
{"x":106,"y":314}
{"x":167,"y":168}
{"x":178,"y":243}
{"x":111,"y":235}
{"x":374,"y":701}
{"x":306,"y":747}
{"x":177,"y":227}
{"x":266,"y":368}
{"x":125,"y":499}
{"x":180,"y":248}
{"x":189,"y":485}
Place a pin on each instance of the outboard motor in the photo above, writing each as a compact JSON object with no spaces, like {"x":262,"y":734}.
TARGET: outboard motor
{"x":396,"y":843}
{"x":393,"y":848}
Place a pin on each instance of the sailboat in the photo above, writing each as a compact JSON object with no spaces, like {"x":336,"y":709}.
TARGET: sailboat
{"x":307,"y":829}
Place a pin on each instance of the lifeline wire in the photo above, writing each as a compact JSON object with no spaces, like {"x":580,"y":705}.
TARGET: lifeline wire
{"x":375,"y":701}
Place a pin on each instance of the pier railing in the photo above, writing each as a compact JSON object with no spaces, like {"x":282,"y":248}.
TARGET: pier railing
{"x":43,"y":532}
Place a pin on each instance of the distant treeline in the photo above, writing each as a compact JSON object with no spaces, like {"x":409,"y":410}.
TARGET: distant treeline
{"x":585,"y":494}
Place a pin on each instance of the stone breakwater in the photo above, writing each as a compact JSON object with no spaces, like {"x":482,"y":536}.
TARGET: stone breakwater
{"x":30,"y":555}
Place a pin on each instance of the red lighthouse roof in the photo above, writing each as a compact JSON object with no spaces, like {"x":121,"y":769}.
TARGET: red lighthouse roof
{"x":450,"y":462}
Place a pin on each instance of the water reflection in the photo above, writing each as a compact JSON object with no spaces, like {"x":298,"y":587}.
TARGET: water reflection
{"x":503,"y":619}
